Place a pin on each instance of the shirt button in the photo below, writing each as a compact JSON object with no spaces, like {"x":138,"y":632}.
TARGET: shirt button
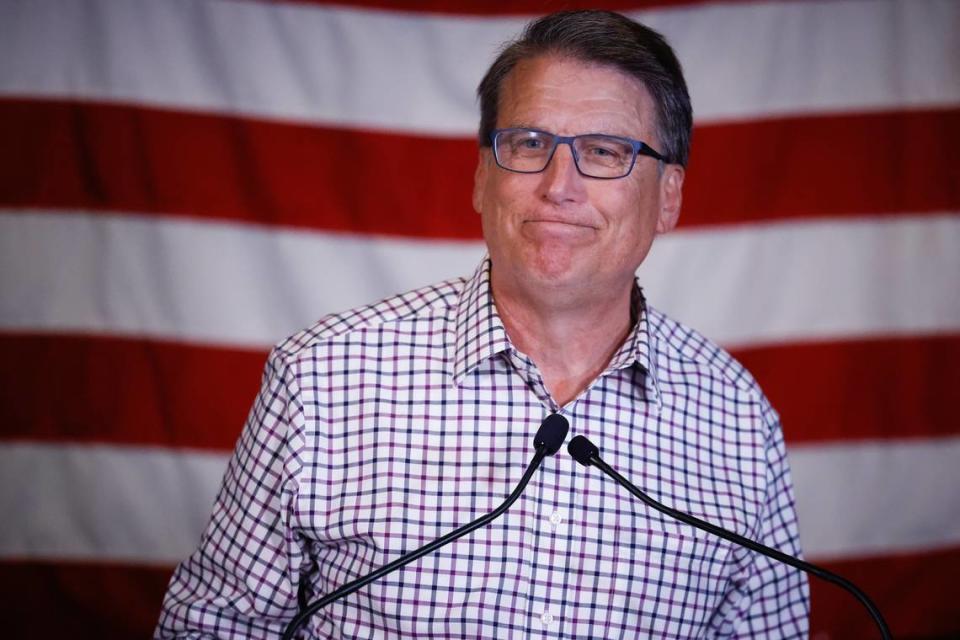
{"x":546,"y":618}
{"x":556,"y":518}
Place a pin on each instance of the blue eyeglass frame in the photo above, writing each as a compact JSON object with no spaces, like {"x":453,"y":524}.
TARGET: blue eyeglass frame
{"x":639,"y":148}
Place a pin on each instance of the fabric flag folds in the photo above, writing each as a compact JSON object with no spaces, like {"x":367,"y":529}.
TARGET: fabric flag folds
{"x":182,"y":184}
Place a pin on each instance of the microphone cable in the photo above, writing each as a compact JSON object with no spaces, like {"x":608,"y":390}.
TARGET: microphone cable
{"x":587,"y":454}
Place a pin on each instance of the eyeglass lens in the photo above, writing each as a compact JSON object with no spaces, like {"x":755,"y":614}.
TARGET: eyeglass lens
{"x":529,"y":151}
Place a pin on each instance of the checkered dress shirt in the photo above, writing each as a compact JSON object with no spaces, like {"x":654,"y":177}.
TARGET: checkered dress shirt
{"x":382,"y":428}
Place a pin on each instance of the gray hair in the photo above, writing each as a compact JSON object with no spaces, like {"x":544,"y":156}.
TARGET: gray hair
{"x":606,"y":38}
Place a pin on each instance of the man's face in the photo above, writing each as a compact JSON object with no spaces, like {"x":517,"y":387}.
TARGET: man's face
{"x":550,"y":230}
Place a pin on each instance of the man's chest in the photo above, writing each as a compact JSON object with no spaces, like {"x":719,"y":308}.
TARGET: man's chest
{"x":574,"y":557}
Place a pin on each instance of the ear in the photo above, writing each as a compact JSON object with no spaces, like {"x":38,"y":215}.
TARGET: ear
{"x":480,"y":178}
{"x":671,"y":197}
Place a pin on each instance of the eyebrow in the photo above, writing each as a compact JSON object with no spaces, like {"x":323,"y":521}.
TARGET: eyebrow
{"x":603,"y":131}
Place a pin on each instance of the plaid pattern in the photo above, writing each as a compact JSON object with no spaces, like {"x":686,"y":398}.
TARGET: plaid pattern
{"x":380,"y":429}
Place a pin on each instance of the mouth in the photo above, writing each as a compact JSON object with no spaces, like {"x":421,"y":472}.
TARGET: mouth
{"x":554,"y":221}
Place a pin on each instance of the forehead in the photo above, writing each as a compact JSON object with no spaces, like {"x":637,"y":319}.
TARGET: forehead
{"x":568,"y":97}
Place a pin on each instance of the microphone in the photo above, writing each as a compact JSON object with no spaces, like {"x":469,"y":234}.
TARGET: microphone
{"x":587,"y":454}
{"x":550,"y":436}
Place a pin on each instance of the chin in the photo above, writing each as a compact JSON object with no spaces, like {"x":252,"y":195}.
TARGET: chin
{"x":557,"y":267}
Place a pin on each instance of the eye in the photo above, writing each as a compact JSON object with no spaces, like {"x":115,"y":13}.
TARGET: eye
{"x":528,"y":143}
{"x":604,"y":151}
{"x":601,"y":151}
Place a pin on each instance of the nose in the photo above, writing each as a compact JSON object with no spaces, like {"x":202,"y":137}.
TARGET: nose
{"x":561,"y":181}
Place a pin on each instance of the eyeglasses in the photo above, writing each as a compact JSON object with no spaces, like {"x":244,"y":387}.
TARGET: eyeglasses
{"x":596,"y":155}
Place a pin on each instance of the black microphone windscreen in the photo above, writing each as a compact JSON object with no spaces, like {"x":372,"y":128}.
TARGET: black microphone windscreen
{"x":582,"y":450}
{"x":552,"y":433}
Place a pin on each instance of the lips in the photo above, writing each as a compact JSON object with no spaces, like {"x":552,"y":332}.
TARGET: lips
{"x":553,"y":230}
{"x":560,"y":221}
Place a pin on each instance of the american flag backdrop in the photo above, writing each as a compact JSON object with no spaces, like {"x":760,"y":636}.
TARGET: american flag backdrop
{"x":185,"y":182}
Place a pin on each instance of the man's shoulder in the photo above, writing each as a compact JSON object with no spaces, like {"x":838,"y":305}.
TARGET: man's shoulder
{"x":682,"y":350}
{"x":411,"y":306}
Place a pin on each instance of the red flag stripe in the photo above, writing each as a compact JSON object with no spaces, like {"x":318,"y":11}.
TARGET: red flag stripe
{"x":80,"y":600}
{"x":120,"y":158}
{"x":120,"y":391}
{"x":915,"y":592}
{"x":861,"y":389}
{"x":129,"y":391}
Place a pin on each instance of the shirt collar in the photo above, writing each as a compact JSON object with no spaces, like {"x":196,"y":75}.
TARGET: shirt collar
{"x":637,"y":350}
{"x":480,"y":334}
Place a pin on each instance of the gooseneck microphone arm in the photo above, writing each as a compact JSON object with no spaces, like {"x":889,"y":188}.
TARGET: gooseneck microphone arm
{"x":549,"y":439}
{"x":587,"y":454}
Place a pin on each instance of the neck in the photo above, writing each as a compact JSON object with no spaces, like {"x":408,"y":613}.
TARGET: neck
{"x":570,"y":335}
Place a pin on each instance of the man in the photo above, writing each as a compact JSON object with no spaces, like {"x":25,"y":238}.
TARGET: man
{"x":380,"y":429}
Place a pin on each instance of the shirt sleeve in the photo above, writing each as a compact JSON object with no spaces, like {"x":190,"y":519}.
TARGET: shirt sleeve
{"x":774,"y":598}
{"x":242,"y":581}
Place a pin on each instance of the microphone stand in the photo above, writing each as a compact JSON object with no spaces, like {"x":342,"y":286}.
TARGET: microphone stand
{"x":587,"y":454}
{"x":548,"y":440}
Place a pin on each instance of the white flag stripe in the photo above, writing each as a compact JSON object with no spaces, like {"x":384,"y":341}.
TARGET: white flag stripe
{"x":876,"y":498}
{"x":286,"y":61}
{"x":849,"y":505}
{"x":101,"y":503}
{"x":243,"y":285}
{"x":196,"y":281}
{"x":810,"y":280}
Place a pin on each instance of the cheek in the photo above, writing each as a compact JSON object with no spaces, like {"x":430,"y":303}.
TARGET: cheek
{"x":497,"y":216}
{"x":503,"y":198}
{"x":632,"y":218}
